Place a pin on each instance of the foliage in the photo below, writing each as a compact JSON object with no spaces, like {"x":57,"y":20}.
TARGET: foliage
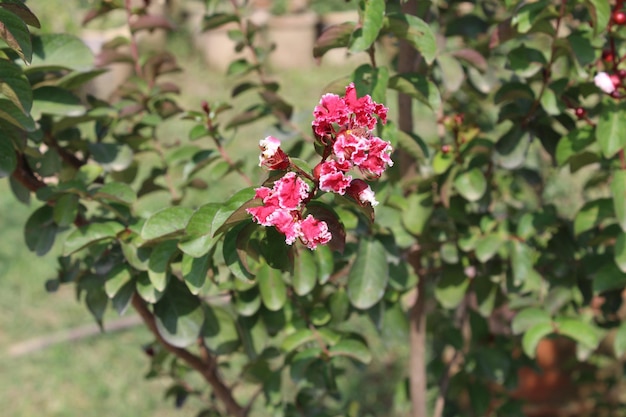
{"x":470,"y":235}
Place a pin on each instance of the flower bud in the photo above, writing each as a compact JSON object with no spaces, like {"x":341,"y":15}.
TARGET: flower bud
{"x":361,"y":192}
{"x":604,"y":82}
{"x":272,"y":157}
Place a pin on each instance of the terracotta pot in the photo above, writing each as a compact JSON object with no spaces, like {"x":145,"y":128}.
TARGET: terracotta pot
{"x":293,"y":36}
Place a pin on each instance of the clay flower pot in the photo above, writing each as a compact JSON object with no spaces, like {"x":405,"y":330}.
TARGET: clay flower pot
{"x":293,"y":36}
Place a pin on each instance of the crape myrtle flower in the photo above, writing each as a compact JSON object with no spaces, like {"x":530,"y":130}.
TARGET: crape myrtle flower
{"x":344,"y":126}
{"x":604,"y":82}
{"x":282,"y":206}
{"x":272,"y":156}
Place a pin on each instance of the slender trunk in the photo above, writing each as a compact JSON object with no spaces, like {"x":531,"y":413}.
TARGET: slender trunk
{"x":417,"y":342}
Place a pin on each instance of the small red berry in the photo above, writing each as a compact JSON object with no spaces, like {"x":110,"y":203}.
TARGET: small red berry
{"x":619,"y":17}
{"x":607,"y":56}
{"x":580,"y":112}
{"x":445,"y":149}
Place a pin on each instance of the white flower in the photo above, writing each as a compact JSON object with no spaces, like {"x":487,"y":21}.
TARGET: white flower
{"x":604,"y":82}
{"x":269,"y":146}
{"x":368,"y":196}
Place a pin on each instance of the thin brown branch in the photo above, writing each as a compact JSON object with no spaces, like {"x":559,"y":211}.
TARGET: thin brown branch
{"x":417,"y":339}
{"x":68,"y":157}
{"x":205,"y":367}
{"x":25,"y":175}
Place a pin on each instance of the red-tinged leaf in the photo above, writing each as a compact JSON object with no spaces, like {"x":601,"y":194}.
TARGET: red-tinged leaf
{"x":105,"y":7}
{"x":471,"y":56}
{"x":502,"y":33}
{"x":168,"y":87}
{"x":337,"y":36}
{"x":149,"y":22}
{"x":15,"y":33}
{"x":111,"y":56}
{"x":324,"y":213}
{"x":20,"y":9}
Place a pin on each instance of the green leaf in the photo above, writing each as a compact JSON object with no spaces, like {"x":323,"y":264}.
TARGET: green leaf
{"x":325,"y":263}
{"x":471,"y":184}
{"x":218,"y":19}
{"x":97,"y":301}
{"x":619,"y":345}
{"x":137,"y":257}
{"x":583,"y":333}
{"x":179,"y":316}
{"x":40,"y":230}
{"x":512,"y":148}
{"x":272,"y":287}
{"x":111,"y":156}
{"x":608,"y":278}
{"x":611,"y":128}
{"x":336,"y":36}
{"x":146,"y":290}
{"x":452,"y":286}
{"x":417,"y":32}
{"x":372,"y":24}
{"x":198,"y":240}
{"x":234,"y":250}
{"x":592,"y":214}
{"x":221,"y":219}
{"x":418,"y":211}
{"x":123,"y":298}
{"x":14,"y":115}
{"x":620,"y":252}
{"x":91,"y":233}
{"x":8,"y":158}
{"x":159,"y":260}
{"x":219,"y":330}
{"x":618,"y":191}
{"x":451,"y":72}
{"x":305,"y":273}
{"x":418,"y":87}
{"x":65,"y":210}
{"x":115,"y":191}
{"x":60,"y":51}
{"x":574,"y":142}
{"x":522,"y":261}
{"x":116,"y":278}
{"x":247,"y":303}
{"x":487,"y":246}
{"x":14,"y":32}
{"x":533,"y":336}
{"x":600,"y":11}
{"x":195,"y":271}
{"x":297,"y":339}
{"x":369,"y":274}
{"x":166,"y":222}
{"x":56,"y":101}
{"x":15,"y":86}
{"x":353,"y":349}
{"x":528,"y":318}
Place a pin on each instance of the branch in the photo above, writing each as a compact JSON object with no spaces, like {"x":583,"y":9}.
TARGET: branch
{"x":206,"y":367}
{"x":417,"y":339}
{"x":25,"y":176}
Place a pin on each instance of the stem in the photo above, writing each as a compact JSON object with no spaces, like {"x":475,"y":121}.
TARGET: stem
{"x":417,"y":340}
{"x":206,"y":366}
{"x":218,"y":144}
{"x":134,"y":50}
{"x":25,"y":176}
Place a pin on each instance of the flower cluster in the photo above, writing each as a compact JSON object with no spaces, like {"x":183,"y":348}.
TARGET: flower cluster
{"x":343,"y":126}
{"x":282,"y":207}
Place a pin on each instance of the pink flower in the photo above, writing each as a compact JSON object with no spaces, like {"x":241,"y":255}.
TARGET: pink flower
{"x":364,"y":109}
{"x":286,"y":223}
{"x":604,"y":82}
{"x":378,"y":157}
{"x":332,"y":177}
{"x":314,"y":232}
{"x":361,"y":191}
{"x":272,"y":157}
{"x":349,"y":146}
{"x":291,"y":190}
{"x":331,"y":110}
